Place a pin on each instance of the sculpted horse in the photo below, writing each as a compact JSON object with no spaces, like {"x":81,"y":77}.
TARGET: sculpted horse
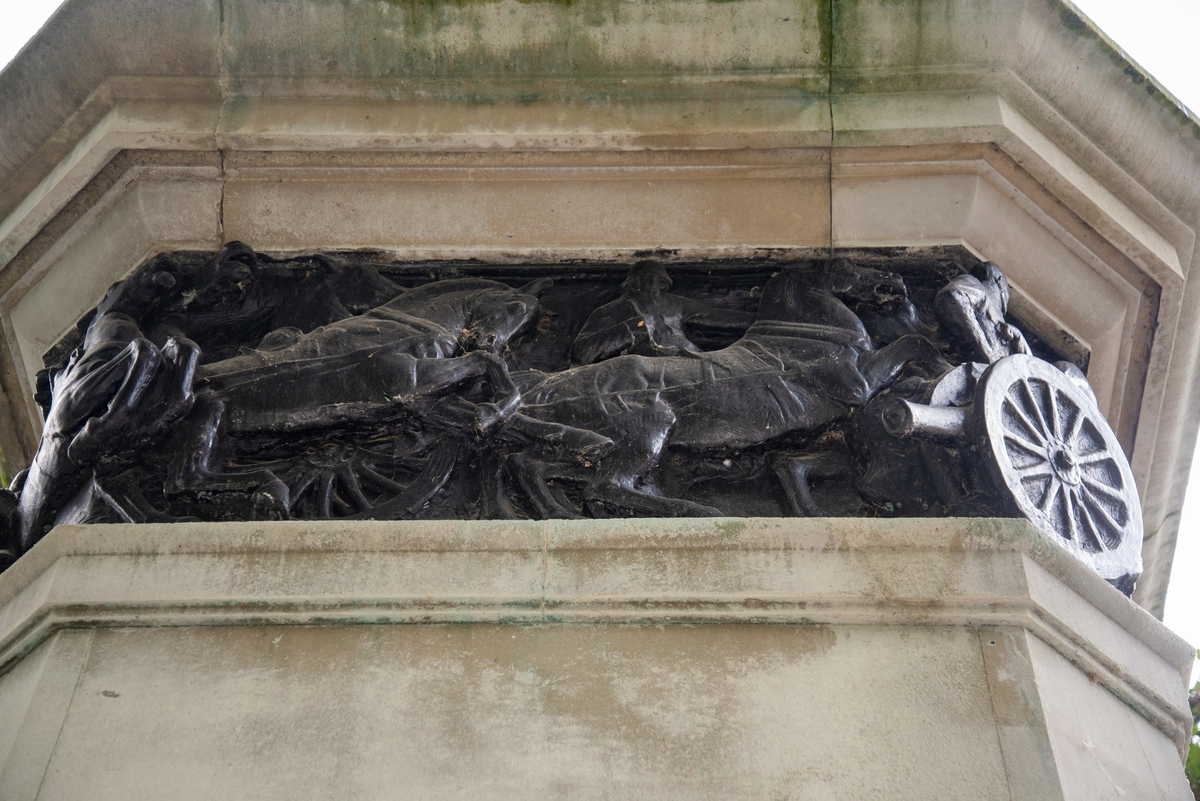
{"x":806,"y":362}
{"x":422,"y":343}
{"x":120,"y":390}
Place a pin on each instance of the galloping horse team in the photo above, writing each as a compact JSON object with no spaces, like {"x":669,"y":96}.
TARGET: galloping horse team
{"x":804,"y":361}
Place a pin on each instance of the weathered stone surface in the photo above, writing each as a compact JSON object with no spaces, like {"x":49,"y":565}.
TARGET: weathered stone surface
{"x":483,"y":41}
{"x":847,"y":658}
{"x":46,"y":690}
{"x":454,"y":710}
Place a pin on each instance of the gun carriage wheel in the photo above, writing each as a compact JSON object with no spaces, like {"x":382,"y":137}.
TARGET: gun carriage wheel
{"x":1051,"y":457}
{"x":336,"y":480}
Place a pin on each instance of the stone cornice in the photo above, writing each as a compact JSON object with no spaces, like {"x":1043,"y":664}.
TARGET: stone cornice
{"x":949,"y":572}
{"x":477,"y":53}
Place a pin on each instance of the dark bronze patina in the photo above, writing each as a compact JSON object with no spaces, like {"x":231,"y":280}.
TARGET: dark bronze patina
{"x":236,"y":386}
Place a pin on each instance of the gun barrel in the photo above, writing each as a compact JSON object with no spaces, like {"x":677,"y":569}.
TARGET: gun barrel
{"x":903,"y":418}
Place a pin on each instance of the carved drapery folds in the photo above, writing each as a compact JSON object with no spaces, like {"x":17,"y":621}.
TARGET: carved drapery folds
{"x":236,"y":386}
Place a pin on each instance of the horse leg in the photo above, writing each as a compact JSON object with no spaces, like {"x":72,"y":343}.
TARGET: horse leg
{"x":533,"y":474}
{"x":489,"y":415}
{"x":193,"y":471}
{"x":576,"y":440}
{"x":795,"y":471}
{"x":626,"y":465}
{"x":502,"y":383}
{"x":493,"y":505}
{"x":881,"y":367}
{"x":183,"y":355}
{"x":433,"y":377}
{"x":124,"y":496}
{"x":194,"y":459}
{"x":52,"y":478}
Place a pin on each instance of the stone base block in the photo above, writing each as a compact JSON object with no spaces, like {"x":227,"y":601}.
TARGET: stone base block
{"x":930,"y":659}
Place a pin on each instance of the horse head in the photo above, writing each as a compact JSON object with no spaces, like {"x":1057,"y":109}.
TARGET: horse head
{"x":495,"y":316}
{"x":797,"y":294}
{"x":859,"y":284}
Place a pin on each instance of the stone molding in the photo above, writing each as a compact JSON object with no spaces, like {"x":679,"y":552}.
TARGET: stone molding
{"x":950,"y":572}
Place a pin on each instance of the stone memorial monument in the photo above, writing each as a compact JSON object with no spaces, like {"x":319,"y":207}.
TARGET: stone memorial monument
{"x":660,"y":399}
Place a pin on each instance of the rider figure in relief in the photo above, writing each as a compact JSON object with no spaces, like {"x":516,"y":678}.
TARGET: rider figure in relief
{"x":647,"y":320}
{"x":972,"y":307}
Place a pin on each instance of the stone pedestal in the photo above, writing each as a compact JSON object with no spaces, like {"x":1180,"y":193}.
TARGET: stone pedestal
{"x":914,"y":659}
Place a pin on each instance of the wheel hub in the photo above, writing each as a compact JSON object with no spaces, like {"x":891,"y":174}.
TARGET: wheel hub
{"x":329,"y":455}
{"x":1065,"y":467}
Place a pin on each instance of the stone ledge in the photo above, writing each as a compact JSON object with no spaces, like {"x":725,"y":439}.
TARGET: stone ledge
{"x":939,"y":573}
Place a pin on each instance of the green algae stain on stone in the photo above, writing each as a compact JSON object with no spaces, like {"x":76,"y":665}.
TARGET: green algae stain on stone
{"x":825,"y":21}
{"x":731,"y":529}
{"x":450,"y":38}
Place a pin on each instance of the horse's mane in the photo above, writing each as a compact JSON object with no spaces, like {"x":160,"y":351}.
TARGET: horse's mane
{"x":781,"y":296}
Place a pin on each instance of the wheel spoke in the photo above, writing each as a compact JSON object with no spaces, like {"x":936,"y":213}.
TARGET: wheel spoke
{"x":1103,"y":489}
{"x":1091,"y":523}
{"x":340,"y":504}
{"x":1052,"y":409}
{"x":302,"y":484}
{"x":325,"y":496}
{"x":1093,"y":457}
{"x":1027,"y":423}
{"x":1069,"y":509}
{"x":378,"y":481}
{"x":1051,"y":493}
{"x":350,"y":481}
{"x":1025,"y":445}
{"x":1073,"y":430}
{"x":1032,"y":471}
{"x":1037,"y":409}
{"x":1108,"y":518}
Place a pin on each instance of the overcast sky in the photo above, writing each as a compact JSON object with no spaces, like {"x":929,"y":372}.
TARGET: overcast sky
{"x":1161,"y":35}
